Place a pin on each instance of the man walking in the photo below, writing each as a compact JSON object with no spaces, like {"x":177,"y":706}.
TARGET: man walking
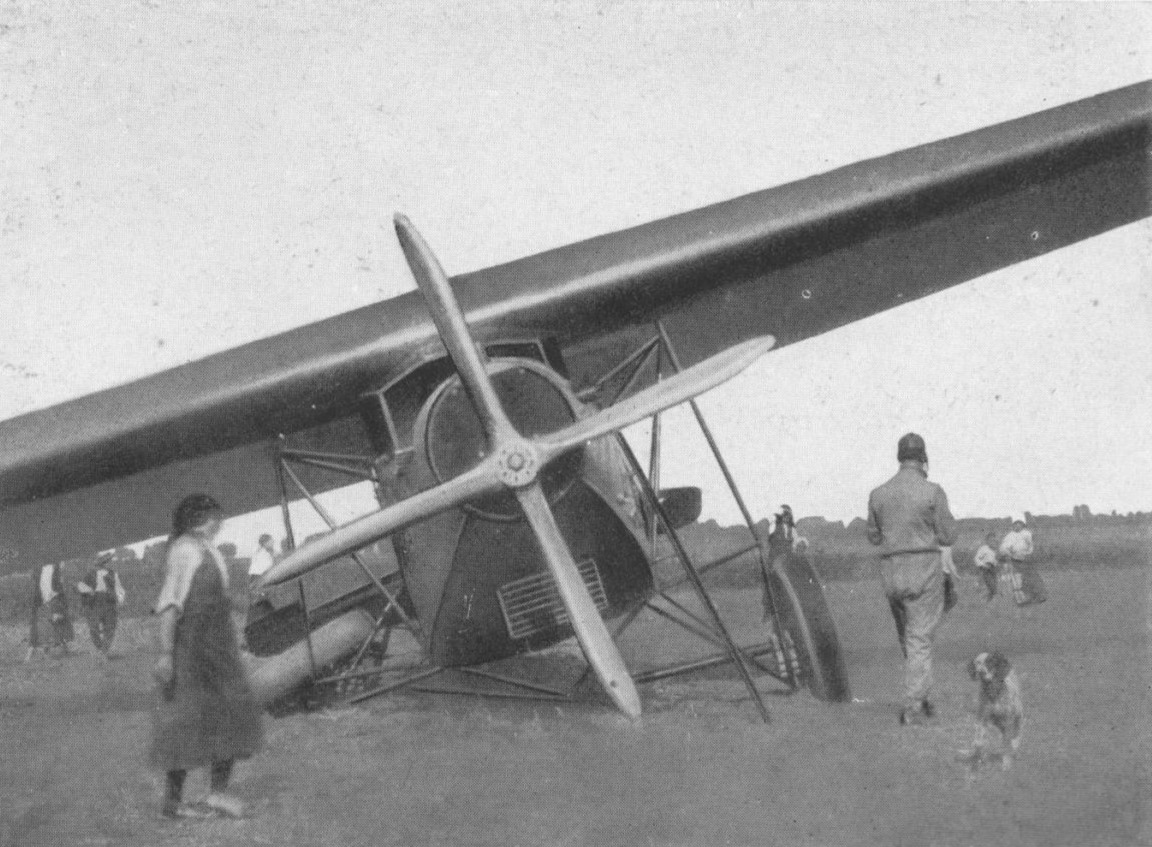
{"x":49,"y":588}
{"x":908,"y":518}
{"x":101,"y":594}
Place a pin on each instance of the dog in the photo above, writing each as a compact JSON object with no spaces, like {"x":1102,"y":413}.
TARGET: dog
{"x":1000,"y":708}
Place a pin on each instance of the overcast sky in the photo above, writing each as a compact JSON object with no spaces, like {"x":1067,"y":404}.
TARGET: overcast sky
{"x":182,"y":177}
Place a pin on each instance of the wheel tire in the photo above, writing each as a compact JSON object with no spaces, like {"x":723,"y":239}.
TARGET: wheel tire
{"x":803,"y":612}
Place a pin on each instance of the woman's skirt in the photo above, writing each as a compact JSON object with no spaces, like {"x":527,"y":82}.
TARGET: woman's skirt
{"x":208,"y":712}
{"x":1027,"y":584}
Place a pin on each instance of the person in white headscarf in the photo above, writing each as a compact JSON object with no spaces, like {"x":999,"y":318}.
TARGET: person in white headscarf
{"x":1016,"y":551}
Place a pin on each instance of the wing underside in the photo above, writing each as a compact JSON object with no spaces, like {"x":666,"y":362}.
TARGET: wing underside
{"x":793,"y":261}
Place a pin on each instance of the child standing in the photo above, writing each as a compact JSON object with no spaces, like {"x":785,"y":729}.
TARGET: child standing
{"x":986,"y":564}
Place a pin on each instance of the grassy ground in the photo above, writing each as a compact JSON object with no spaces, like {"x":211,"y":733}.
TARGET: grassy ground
{"x":698,"y":768}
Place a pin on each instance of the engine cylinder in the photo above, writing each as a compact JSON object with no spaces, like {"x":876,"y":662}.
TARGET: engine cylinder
{"x":281,"y":674}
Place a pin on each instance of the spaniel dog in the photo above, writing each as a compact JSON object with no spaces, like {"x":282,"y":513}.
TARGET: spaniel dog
{"x":1000,"y":708}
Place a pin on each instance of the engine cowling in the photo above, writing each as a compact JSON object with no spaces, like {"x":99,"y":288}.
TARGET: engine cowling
{"x":475,"y":574}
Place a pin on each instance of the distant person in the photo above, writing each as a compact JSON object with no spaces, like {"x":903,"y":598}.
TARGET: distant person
{"x":207,"y":715}
{"x":48,"y":593}
{"x":783,"y":539}
{"x":101,"y":594}
{"x":262,"y":559}
{"x":985,"y":561}
{"x":908,"y":518}
{"x":1015,"y":553}
{"x":785,"y":536}
{"x":34,"y":604}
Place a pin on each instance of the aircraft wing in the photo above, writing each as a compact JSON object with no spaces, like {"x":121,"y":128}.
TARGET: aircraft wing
{"x":792,"y":261}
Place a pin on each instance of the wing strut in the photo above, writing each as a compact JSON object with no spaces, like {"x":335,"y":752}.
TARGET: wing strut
{"x":804,"y":639}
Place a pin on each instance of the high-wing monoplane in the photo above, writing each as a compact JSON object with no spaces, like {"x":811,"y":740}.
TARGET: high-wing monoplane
{"x":486,"y":410}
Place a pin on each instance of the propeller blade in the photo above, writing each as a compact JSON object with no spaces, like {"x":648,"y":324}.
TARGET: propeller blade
{"x":663,"y":395}
{"x":480,"y":480}
{"x":449,"y":320}
{"x":586,"y":621}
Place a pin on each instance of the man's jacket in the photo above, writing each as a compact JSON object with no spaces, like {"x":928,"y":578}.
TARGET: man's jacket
{"x":909,"y":514}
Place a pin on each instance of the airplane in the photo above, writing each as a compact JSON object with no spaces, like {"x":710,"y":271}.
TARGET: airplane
{"x":485,"y":409}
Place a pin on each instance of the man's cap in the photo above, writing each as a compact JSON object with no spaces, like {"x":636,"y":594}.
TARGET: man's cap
{"x":104,"y":558}
{"x":265,"y":537}
{"x":1018,"y":517}
{"x":911,"y":446}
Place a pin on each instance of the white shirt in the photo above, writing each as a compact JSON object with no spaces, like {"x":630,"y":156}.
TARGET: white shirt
{"x":184,"y":558}
{"x":946,"y":563}
{"x":1017,"y":545}
{"x":47,"y":592}
{"x":107,"y":582}
{"x":102,"y":583}
{"x":985,"y":557}
{"x":261,"y":562}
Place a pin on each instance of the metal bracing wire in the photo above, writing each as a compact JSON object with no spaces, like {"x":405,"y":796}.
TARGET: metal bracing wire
{"x":637,"y":358}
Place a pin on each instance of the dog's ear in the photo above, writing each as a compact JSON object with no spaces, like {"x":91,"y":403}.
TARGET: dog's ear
{"x":998,"y":666}
{"x":976,"y":666}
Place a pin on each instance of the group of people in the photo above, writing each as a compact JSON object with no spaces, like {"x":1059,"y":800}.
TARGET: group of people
{"x":101,"y":595}
{"x":909,"y":519}
{"x":1011,"y":561}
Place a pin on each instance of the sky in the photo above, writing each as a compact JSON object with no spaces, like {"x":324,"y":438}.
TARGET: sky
{"x":180,"y":178}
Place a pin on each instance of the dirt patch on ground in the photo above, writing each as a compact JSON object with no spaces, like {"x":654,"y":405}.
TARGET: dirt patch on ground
{"x":698,"y":768}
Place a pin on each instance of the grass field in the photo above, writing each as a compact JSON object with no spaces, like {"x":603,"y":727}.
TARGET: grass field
{"x":698,"y":769}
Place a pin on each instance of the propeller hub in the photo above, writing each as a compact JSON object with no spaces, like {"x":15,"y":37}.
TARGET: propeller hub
{"x":451,"y":438}
{"x":518,"y":463}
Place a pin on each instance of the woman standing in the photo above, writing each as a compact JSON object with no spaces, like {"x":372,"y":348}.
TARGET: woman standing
{"x":207,"y":715}
{"x":1015,"y":552}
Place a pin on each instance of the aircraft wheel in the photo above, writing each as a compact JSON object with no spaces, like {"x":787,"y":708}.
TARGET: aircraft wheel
{"x":808,"y":627}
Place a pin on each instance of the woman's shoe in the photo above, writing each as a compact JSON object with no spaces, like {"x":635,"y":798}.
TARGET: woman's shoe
{"x":226,"y":805}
